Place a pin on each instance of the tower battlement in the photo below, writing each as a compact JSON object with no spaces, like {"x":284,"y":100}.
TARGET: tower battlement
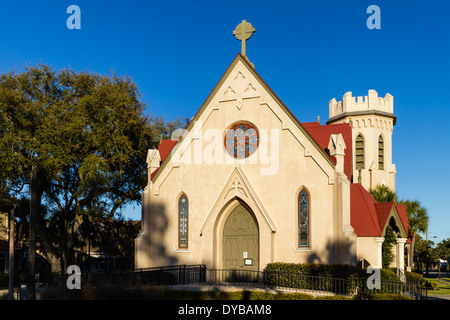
{"x":360,"y":105}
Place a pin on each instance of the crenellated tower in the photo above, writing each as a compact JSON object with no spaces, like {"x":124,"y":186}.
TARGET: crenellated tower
{"x":372,"y":120}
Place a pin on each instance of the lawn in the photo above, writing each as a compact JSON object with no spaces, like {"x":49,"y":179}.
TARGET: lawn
{"x":443,"y":285}
{"x":162,"y":293}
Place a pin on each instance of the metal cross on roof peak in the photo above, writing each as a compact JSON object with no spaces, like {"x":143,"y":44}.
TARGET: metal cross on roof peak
{"x":243,"y":32}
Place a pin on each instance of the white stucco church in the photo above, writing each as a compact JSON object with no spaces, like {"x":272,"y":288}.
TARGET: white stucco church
{"x":247,"y":183}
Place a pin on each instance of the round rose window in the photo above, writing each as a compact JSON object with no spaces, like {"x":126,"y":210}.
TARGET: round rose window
{"x":241,"y":140}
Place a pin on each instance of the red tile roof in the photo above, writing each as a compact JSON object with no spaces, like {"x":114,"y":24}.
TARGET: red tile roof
{"x":401,"y":209}
{"x":363,"y":216}
{"x":321,"y":134}
{"x":164,"y":148}
{"x":368,"y":217}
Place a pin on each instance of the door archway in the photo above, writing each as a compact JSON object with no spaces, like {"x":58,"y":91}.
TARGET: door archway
{"x":240,"y":241}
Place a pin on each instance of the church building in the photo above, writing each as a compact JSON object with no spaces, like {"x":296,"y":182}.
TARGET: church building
{"x":247,"y":184}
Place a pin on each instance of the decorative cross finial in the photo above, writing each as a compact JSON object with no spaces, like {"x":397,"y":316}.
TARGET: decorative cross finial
{"x":243,"y":32}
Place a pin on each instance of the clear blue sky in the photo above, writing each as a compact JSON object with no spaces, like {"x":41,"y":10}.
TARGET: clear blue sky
{"x":307,"y":51}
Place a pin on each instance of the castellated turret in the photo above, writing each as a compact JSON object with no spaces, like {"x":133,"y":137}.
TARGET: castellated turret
{"x":372,"y":120}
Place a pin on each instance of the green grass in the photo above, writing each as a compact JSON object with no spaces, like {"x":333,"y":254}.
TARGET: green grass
{"x":161,"y":293}
{"x":443,"y":285}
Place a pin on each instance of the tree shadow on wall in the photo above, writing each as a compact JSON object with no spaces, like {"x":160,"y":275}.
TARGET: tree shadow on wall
{"x":335,"y":252}
{"x":154,"y":238}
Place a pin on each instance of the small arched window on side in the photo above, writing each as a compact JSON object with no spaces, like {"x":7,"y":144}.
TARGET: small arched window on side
{"x":359,"y":152}
{"x":183,"y":219}
{"x":303,"y":219}
{"x":380,"y":153}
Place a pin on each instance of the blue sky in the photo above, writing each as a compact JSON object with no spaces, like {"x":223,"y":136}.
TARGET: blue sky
{"x":307,"y":51}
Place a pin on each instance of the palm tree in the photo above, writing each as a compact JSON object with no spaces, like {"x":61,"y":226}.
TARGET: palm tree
{"x":382,"y":193}
{"x":417,"y":222}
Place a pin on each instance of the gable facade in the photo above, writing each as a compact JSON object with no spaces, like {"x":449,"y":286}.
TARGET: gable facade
{"x":247,"y":184}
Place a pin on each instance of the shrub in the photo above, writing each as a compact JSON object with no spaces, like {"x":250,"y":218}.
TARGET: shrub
{"x":388,"y":243}
{"x":314,"y":276}
{"x":415,"y":278}
{"x":431,"y":285}
{"x":341,"y":271}
{"x":389,"y":275}
{"x":381,"y":296}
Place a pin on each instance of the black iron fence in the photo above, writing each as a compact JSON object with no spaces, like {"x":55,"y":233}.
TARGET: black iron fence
{"x":278,"y":280}
{"x":351,"y":287}
{"x":168,"y":275}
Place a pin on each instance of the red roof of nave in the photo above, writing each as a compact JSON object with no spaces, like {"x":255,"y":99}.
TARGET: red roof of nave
{"x":321,"y":134}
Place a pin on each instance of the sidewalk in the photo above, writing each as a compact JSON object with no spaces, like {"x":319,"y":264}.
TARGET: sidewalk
{"x":439,"y":297}
{"x":269,"y":289}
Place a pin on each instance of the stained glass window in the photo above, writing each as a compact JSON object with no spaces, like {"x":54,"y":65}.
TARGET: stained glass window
{"x":303,"y":219}
{"x":183,"y":222}
{"x":241,"y":140}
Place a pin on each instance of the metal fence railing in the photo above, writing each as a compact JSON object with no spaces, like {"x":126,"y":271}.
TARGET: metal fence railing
{"x":168,"y":275}
{"x":200,"y":274}
{"x":318,"y":285}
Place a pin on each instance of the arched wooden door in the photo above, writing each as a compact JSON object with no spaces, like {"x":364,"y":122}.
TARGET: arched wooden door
{"x":240,"y":241}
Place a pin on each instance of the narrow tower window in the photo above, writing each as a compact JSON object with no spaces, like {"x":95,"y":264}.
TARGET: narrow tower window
{"x":359,"y":152}
{"x":380,"y":153}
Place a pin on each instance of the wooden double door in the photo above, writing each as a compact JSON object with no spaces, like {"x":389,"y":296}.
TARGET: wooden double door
{"x":240,"y":241}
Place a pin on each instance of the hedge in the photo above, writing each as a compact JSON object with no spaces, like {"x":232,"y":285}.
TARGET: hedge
{"x":338,"y":271}
{"x":415,"y":278}
{"x":340,"y":279}
{"x":323,"y":270}
{"x":315,"y":276}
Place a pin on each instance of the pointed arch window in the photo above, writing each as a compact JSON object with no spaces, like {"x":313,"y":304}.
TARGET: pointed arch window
{"x":183,"y":219}
{"x":359,"y":152}
{"x":380,"y":153}
{"x":303,"y":219}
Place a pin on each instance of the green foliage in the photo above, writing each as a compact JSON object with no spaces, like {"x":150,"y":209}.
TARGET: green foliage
{"x":431,"y":285}
{"x":88,"y":136}
{"x":442,"y":249}
{"x":417,"y":216}
{"x":388,"y":243}
{"x":388,"y":275}
{"x":314,"y":276}
{"x":325,"y":270}
{"x":415,"y":278}
{"x":382,"y":296}
{"x":164,"y":293}
{"x":382,"y":193}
